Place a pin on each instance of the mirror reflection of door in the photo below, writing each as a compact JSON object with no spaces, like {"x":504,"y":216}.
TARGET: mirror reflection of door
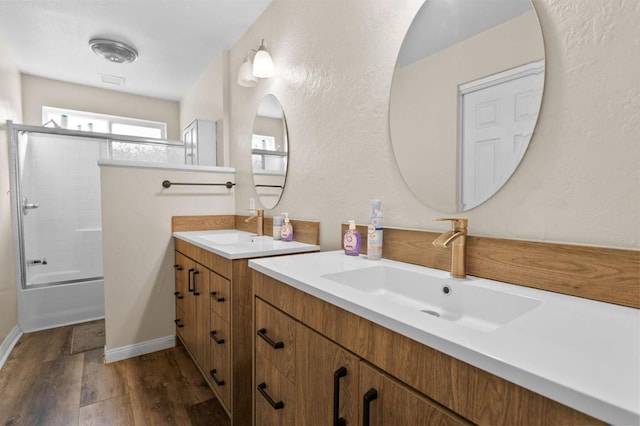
{"x":498,"y":115}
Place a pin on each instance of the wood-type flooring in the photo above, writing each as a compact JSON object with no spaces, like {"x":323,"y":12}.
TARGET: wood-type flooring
{"x":43,"y":384}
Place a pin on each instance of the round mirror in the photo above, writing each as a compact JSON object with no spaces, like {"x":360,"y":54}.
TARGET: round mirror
{"x":269,"y":151}
{"x":465,"y":98}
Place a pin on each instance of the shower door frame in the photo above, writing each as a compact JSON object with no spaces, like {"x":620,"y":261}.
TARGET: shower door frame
{"x":16,"y":184}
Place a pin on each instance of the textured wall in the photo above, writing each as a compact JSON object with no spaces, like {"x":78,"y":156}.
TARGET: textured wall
{"x":38,"y":92}
{"x":578,"y":183}
{"x":10,"y":109}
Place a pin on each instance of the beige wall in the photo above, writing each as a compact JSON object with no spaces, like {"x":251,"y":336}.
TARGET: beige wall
{"x":10,"y":109}
{"x":207,"y":99}
{"x":578,"y":182}
{"x":138,"y":247}
{"x":38,"y":92}
{"x":424,"y":102}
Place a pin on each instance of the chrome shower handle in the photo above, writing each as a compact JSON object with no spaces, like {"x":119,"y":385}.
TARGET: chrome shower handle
{"x":26,"y":205}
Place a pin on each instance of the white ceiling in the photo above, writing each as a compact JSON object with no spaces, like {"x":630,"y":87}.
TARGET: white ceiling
{"x":175,"y":39}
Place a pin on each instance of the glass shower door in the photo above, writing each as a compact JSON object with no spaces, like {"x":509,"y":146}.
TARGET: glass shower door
{"x":59,"y":184}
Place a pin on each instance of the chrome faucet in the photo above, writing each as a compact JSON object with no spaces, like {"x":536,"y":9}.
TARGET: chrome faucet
{"x":260,"y":222}
{"x":457,"y":235}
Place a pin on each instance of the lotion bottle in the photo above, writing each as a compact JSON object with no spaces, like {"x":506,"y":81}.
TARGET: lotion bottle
{"x":352,"y":240}
{"x":374,"y":234}
{"x":286,"y":232}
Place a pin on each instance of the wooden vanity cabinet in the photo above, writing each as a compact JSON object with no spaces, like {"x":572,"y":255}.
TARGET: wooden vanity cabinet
{"x":213,"y":321}
{"x":390,"y":380}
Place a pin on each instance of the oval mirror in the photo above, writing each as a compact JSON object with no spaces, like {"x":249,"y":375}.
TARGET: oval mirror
{"x":465,"y":98}
{"x":269,"y":151}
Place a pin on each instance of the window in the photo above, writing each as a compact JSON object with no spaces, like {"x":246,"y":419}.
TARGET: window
{"x":89,"y":121}
{"x":163,"y":151}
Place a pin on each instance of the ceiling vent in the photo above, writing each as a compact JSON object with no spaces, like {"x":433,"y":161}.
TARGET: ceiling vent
{"x":112,"y":79}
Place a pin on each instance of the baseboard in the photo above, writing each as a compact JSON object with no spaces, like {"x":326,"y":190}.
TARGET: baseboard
{"x":130,"y":351}
{"x":8,"y":344}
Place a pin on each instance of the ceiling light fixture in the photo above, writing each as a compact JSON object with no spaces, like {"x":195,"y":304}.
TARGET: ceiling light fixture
{"x":113,"y":51}
{"x":260,"y":67}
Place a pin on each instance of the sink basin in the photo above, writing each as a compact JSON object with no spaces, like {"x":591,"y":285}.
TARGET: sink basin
{"x":226,"y":238}
{"x":458,"y":301}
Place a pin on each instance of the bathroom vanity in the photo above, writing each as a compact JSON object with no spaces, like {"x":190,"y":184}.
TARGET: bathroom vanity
{"x":338,"y":337}
{"x":213,"y":296}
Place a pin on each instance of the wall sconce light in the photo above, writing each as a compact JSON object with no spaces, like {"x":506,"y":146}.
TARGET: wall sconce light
{"x":261,"y":67}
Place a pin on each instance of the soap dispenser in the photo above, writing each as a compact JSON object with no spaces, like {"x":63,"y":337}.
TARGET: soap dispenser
{"x":352,"y":240}
{"x":286,"y":232}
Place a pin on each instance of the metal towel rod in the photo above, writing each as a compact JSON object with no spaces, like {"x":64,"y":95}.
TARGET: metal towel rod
{"x":167,"y":184}
{"x":268,"y":186}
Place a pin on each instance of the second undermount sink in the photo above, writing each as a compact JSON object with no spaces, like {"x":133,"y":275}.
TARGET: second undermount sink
{"x":458,"y":301}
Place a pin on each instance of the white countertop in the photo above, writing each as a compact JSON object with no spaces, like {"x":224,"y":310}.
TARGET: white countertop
{"x":581,"y":353}
{"x":249,"y":246}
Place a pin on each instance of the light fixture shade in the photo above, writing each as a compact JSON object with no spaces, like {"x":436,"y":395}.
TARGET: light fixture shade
{"x":262,"y":63}
{"x":245,"y":74}
{"x":113,"y":51}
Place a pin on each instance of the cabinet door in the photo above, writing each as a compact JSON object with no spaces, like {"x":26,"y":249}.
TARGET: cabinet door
{"x":385,"y":401}
{"x":200,"y":292}
{"x":327,"y":379}
{"x":189,"y":308}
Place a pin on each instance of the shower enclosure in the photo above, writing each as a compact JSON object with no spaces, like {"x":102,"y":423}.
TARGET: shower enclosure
{"x":56,"y":188}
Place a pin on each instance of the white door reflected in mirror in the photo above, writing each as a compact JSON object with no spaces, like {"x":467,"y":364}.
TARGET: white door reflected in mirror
{"x":497,"y":118}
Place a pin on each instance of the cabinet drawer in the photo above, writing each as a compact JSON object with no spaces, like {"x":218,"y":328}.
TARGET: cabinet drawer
{"x":180,"y":267}
{"x":275,"y":338}
{"x":275,"y":396}
{"x":180,"y":293}
{"x":180,"y":319}
{"x":220,"y":296}
{"x":220,"y":368}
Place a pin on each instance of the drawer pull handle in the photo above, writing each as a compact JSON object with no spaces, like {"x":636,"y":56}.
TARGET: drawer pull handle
{"x":275,"y":345}
{"x":215,"y":339}
{"x":219,"y":382}
{"x":276,"y":405}
{"x":190,"y":271}
{"x":178,"y":267}
{"x":179,"y":323}
{"x":371,"y":395}
{"x":337,"y":375}
{"x":195,"y":292}
{"x":178,"y":295}
{"x":214,"y":294}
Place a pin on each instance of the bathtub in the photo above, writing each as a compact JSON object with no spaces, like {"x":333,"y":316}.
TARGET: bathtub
{"x":40,"y":308}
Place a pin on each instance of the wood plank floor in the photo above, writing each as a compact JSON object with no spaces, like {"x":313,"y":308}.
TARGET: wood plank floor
{"x":43,"y":384}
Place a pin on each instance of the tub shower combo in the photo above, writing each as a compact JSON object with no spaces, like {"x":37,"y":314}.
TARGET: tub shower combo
{"x":55,"y":182}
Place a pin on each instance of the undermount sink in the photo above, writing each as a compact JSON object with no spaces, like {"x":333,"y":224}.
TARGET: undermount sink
{"x":226,"y":238}
{"x":458,"y":301}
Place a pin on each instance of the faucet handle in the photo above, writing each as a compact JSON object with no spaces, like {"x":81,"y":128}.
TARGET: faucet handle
{"x":457,"y":223}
